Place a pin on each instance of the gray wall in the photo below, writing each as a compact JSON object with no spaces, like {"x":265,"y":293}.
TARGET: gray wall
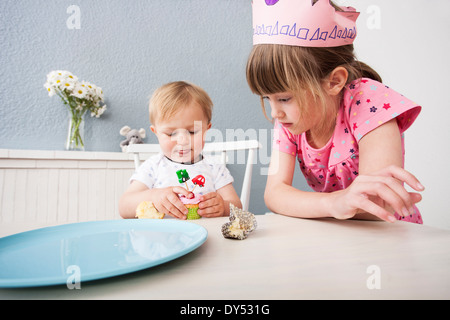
{"x":129,"y":48}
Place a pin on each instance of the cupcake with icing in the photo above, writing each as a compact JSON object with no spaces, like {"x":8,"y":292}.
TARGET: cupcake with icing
{"x":192,"y":205}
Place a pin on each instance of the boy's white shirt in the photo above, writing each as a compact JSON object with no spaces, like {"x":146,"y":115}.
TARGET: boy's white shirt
{"x":160,"y":172}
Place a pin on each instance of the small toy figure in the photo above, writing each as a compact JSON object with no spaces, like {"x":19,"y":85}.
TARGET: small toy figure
{"x":198,"y":180}
{"x":133,"y":136}
{"x":183,"y":176}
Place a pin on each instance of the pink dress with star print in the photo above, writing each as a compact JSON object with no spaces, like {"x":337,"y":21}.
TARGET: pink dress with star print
{"x":366,"y":105}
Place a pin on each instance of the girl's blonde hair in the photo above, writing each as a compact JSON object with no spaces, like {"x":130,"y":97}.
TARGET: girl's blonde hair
{"x":273,"y":68}
{"x":171,"y":97}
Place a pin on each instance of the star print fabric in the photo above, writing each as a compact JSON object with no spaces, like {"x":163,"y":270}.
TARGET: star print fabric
{"x":366,"y":105}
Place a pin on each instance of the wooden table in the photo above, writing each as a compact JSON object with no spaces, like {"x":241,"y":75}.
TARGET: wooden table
{"x":284,"y":258}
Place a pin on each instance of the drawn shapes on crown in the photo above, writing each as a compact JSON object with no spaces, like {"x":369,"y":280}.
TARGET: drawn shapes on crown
{"x":305,"y":23}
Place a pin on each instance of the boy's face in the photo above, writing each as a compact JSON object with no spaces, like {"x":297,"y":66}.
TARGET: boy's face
{"x":182,"y":136}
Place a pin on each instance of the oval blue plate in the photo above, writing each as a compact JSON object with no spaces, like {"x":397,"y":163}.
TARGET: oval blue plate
{"x":88,"y":251}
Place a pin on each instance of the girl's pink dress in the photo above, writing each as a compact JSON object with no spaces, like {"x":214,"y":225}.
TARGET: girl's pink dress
{"x":366,"y":105}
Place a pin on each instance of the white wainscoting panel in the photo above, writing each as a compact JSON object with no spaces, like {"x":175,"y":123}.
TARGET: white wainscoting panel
{"x":62,"y":186}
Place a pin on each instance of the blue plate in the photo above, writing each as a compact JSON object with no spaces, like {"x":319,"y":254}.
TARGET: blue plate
{"x":73,"y":253}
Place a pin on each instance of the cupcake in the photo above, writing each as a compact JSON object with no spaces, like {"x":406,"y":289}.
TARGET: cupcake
{"x":192,"y":205}
{"x":146,"y":210}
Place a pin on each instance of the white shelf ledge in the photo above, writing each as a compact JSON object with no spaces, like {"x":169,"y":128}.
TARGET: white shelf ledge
{"x":15,"y":158}
{"x":59,"y":154}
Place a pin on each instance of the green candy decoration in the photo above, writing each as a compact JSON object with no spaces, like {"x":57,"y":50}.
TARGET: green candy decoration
{"x":183,"y":176}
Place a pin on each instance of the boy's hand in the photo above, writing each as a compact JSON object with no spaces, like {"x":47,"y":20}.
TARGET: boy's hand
{"x":211,"y":205}
{"x":167,"y":201}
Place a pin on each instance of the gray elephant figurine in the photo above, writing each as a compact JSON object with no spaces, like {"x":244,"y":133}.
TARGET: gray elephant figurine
{"x":133,"y":136}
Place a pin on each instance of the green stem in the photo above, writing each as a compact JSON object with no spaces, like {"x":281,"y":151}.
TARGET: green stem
{"x":75,"y":138}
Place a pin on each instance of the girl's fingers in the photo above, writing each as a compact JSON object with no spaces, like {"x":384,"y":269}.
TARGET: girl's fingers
{"x":405,"y":176}
{"x":378,"y":193}
{"x":393,"y":192}
{"x":383,"y":192}
{"x":416,"y":197}
{"x":378,"y":190}
{"x":371,"y":207}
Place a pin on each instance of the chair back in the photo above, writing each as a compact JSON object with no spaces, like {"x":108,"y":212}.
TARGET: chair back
{"x":216,"y":149}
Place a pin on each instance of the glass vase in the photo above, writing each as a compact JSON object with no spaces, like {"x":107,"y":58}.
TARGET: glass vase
{"x":75,"y":134}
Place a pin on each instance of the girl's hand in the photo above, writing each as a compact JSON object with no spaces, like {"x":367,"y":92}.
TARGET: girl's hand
{"x":366,"y":191}
{"x":211,"y":205}
{"x":166,"y":200}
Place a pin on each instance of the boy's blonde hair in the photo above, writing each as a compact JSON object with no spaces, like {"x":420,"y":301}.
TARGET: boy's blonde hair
{"x":274,"y":68}
{"x":171,"y":97}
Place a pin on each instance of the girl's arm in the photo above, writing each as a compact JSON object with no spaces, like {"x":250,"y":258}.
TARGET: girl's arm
{"x":380,"y":149}
{"x":217,"y":204}
{"x":375,"y":193}
{"x":281,"y":197}
{"x":165,"y":200}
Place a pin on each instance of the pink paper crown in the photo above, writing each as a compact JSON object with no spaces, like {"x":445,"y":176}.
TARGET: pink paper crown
{"x":300,"y":23}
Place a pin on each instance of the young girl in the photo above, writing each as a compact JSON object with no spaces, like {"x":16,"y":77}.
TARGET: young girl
{"x":332,"y":114}
{"x":180,"y":114}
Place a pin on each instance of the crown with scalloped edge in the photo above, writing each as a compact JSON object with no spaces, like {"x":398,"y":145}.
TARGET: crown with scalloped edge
{"x":303,"y":23}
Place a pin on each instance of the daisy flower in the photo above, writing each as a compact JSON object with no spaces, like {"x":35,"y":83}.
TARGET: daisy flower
{"x":79,"y":97}
{"x":79,"y":91}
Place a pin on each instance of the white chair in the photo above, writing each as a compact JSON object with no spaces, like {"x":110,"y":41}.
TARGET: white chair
{"x":141,"y":150}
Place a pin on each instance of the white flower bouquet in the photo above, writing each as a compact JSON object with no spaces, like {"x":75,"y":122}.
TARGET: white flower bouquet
{"x":79,"y":97}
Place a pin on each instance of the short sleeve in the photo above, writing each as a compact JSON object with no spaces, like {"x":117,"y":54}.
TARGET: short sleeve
{"x":222,"y":176}
{"x":369,"y":104}
{"x":283,"y":140}
{"x":146,"y":172}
